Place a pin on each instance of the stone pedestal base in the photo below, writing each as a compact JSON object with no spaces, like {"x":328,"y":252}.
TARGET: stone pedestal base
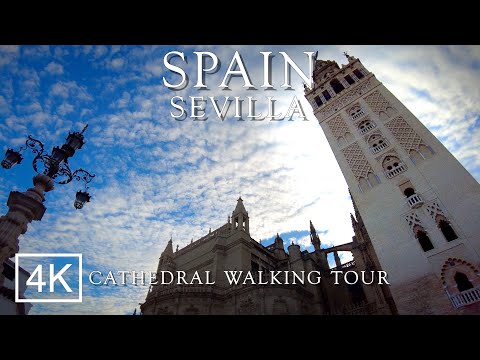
{"x":23,"y":209}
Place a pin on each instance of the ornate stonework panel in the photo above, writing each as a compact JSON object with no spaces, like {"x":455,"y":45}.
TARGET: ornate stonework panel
{"x":357,"y":161}
{"x":369,"y":135}
{"x":412,"y":219}
{"x":433,"y":209}
{"x":386,"y":154}
{"x":404,"y":134}
{"x":337,"y":126}
{"x":377,"y":102}
{"x":351,"y":95}
{"x":452,"y":265}
{"x":353,"y":108}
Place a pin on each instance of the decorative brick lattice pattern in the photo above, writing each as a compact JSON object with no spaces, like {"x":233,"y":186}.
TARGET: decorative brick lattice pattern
{"x":404,"y":134}
{"x":351,"y":94}
{"x":377,"y":102}
{"x":434,"y":209}
{"x":357,"y":161}
{"x":412,"y":219}
{"x":337,"y":126}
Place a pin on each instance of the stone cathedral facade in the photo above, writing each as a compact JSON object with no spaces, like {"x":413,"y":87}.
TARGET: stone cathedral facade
{"x":420,"y":206}
{"x":230,"y":247}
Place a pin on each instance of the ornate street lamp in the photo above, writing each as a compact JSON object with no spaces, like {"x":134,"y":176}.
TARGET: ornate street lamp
{"x":81,"y":198}
{"x":27,"y":206}
{"x":12,"y":158}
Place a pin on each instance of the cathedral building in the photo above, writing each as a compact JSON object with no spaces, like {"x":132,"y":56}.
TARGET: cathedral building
{"x":420,"y":206}
{"x":231,"y":248}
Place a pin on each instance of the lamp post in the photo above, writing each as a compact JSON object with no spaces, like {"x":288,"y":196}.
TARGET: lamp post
{"x":27,"y":206}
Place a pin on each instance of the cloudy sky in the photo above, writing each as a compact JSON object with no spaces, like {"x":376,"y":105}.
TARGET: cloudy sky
{"x":157,"y":177}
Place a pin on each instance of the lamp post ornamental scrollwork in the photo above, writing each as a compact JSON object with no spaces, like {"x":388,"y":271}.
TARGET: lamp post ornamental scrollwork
{"x":24,"y":207}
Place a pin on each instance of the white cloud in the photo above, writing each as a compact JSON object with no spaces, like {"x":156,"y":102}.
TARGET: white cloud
{"x":66,"y":89}
{"x":54,"y":68}
{"x":100,"y":50}
{"x":87,"y":49}
{"x":30,"y":108}
{"x":4,"y":107}
{"x":10,"y":49}
{"x":154,"y":67}
{"x":36,"y":52}
{"x":8,"y":54}
{"x":65,"y":108}
{"x":60,"y":52}
{"x":117,"y":63}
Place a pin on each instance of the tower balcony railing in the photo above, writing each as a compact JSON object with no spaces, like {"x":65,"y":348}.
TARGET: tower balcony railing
{"x":380,"y":147}
{"x":466,"y":297}
{"x":358,"y":115}
{"x":415,"y":201}
{"x":367,"y":128}
{"x":395,"y":171}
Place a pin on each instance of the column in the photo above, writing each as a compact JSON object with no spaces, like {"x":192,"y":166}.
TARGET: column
{"x":23,"y":209}
{"x":345,"y":83}
{"x":330,"y":91}
{"x":338,"y":262}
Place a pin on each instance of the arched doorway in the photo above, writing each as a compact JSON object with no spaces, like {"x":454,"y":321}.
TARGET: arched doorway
{"x":462,"y":282}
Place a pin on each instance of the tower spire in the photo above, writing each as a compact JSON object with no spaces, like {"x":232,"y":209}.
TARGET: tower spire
{"x":167,"y":261}
{"x":352,"y":218}
{"x":314,"y":238}
{"x":240,"y":219}
{"x":168,"y":249}
{"x":279,"y":249}
{"x":240,"y":208}
{"x":358,"y":217}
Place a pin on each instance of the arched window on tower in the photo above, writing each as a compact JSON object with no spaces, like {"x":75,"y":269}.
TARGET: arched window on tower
{"x":447,"y":230}
{"x":413,"y":199}
{"x":369,"y":182}
{"x":358,"y":73}
{"x":356,"y":112}
{"x":423,"y":152}
{"x":392,"y":166}
{"x":424,"y":240}
{"x":318,"y":101}
{"x":365,"y":126}
{"x":336,"y":86}
{"x":326,"y":95}
{"x":349,"y":79}
{"x":462,"y":282}
{"x":377,"y":143}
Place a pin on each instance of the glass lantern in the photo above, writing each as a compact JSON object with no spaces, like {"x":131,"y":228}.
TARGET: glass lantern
{"x":12,"y":158}
{"x":81,"y":198}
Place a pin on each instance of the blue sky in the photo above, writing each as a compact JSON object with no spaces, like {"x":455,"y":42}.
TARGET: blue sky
{"x":159,"y":178}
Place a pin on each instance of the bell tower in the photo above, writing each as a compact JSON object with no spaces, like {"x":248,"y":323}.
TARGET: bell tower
{"x":419,"y":205}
